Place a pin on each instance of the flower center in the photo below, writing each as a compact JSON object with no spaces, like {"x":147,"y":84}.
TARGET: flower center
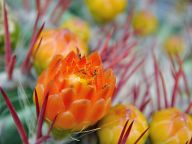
{"x":76,"y":79}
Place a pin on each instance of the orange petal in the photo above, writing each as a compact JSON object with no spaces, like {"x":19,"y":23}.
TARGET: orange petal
{"x":67,"y":96}
{"x":70,"y":57}
{"x":107,"y":92}
{"x":95,"y":59}
{"x":107,"y":105}
{"x":52,"y":88}
{"x":80,"y":109}
{"x":54,"y":106}
{"x":42,"y":78}
{"x":65,"y":120}
{"x":62,"y":83}
{"x":54,"y":66}
{"x":97,"y":111}
{"x":109,"y":77}
{"x":86,"y":92}
{"x":99,"y":80}
{"x":40,"y":94}
{"x":82,"y":62}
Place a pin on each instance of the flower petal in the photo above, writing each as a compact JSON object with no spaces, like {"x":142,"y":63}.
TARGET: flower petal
{"x":80,"y":109}
{"x":65,"y":120}
{"x":54,"y":106}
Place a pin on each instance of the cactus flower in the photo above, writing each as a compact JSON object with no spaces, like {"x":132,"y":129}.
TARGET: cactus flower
{"x":112,"y":124}
{"x":170,"y":126}
{"x":80,"y":91}
{"x":57,"y":41}
{"x":144,"y":23}
{"x":105,"y":10}
{"x":174,"y":46}
{"x":79,"y":27}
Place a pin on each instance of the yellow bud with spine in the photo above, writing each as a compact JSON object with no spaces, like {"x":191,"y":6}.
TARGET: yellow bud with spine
{"x":112,"y":124}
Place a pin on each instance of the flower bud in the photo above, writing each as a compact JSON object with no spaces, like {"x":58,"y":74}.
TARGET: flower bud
{"x":79,"y":27}
{"x":112,"y":125}
{"x":170,"y":126}
{"x":174,"y":46}
{"x":54,"y":42}
{"x":105,"y":10}
{"x":144,"y":23}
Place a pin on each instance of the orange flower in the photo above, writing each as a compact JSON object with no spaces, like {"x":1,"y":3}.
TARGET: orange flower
{"x":54,"y":42}
{"x":80,"y":91}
